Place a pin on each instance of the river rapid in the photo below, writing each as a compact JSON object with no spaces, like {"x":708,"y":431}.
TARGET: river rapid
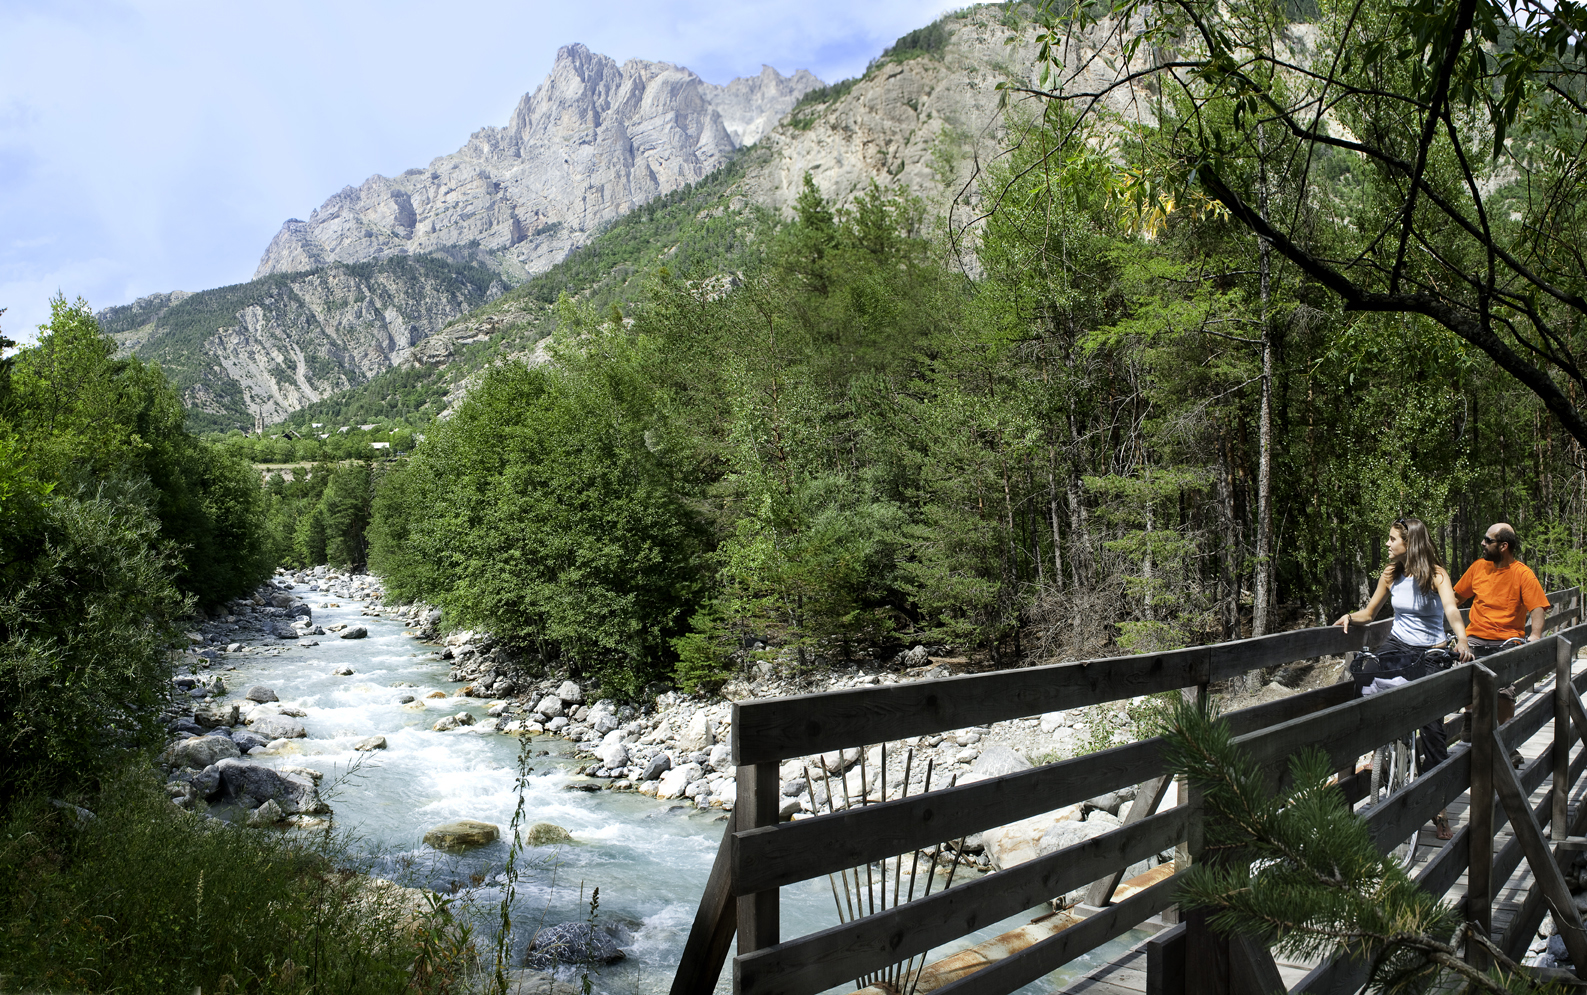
{"x":648,"y":858}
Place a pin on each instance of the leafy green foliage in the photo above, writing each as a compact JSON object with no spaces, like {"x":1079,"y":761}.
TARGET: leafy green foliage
{"x":161,"y":901}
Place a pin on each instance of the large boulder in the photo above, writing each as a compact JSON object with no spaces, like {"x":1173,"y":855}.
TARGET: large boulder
{"x":261,"y":694}
{"x":700,"y":734}
{"x":462,"y":834}
{"x":658,"y":765}
{"x":282,"y":631}
{"x":995,"y":761}
{"x":1014,"y":844}
{"x":370,"y":743}
{"x":247,"y":739}
{"x":570,"y":691}
{"x":572,"y":943}
{"x":550,"y":706}
{"x":201,"y":752}
{"x":293,"y":792}
{"x":281,"y":599}
{"x":546,"y":834}
{"x":677,"y":780}
{"x":612,"y":755}
{"x":215,"y":714}
{"x":356,"y":632}
{"x":277,"y":727}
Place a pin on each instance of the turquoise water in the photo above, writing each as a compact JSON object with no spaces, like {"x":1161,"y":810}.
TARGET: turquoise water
{"x":649,"y":859}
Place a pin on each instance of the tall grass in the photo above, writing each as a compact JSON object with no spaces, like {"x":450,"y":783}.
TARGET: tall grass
{"x":144,"y":897}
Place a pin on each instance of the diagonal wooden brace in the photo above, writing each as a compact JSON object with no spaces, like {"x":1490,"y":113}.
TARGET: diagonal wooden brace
{"x":1148,"y":795}
{"x":1547,"y":873}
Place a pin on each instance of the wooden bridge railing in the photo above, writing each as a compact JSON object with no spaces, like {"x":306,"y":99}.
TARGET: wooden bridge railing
{"x":759,"y":855}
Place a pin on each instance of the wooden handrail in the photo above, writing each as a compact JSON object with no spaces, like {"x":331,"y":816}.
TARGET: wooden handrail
{"x":761,"y":855}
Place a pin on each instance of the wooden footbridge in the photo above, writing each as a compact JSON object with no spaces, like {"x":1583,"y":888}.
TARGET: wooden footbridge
{"x":1516,"y":830}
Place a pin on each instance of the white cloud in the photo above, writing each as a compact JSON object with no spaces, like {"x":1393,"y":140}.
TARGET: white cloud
{"x":154,"y":145}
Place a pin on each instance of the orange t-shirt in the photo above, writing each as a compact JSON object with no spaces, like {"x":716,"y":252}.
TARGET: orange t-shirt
{"x":1504,"y":596}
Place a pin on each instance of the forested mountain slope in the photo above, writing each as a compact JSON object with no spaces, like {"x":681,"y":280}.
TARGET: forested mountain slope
{"x":262,"y":349}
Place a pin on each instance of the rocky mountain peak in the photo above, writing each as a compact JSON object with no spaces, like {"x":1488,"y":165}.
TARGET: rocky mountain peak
{"x":593,"y":141}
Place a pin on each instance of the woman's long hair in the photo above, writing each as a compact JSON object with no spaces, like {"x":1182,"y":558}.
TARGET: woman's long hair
{"x":1421,"y":556}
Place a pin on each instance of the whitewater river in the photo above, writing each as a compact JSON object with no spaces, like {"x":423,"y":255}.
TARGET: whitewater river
{"x":649,"y":859}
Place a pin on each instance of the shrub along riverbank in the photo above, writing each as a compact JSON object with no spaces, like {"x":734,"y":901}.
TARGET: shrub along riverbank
{"x":115,"y":526}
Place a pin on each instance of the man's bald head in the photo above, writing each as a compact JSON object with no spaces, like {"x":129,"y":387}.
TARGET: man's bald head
{"x":1499,"y":540}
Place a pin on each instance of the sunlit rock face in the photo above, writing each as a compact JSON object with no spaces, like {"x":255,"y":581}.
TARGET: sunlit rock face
{"x":593,"y":141}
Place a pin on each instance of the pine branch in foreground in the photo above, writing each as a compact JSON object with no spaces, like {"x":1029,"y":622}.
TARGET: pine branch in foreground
{"x":1296,"y":865}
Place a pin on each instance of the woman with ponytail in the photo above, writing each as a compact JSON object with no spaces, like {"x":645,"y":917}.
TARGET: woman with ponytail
{"x":1424,"y":601}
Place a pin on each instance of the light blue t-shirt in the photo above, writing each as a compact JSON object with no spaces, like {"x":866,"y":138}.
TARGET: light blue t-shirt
{"x":1418,"y":614}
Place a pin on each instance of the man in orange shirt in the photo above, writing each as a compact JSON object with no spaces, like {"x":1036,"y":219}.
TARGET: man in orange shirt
{"x":1506,"y":600}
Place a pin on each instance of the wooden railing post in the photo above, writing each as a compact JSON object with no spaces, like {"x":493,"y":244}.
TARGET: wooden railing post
{"x":758,"y":797}
{"x":1562,"y":738}
{"x":1479,"y":874}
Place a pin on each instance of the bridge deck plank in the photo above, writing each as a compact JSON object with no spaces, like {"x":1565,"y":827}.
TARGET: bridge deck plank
{"x":1127,"y":974}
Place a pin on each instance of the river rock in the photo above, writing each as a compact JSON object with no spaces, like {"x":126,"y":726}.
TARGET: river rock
{"x":995,"y":761}
{"x":612,"y":755}
{"x":445,"y":724}
{"x":465,"y":718}
{"x":201,"y":752}
{"x":293,"y":792}
{"x":356,"y":632}
{"x":207,"y":781}
{"x":570,"y":691}
{"x":281,"y":599}
{"x":247,"y":739}
{"x":234,"y":647}
{"x":268,"y":814}
{"x":261,"y":694}
{"x":343,"y":671}
{"x":404,"y":699}
{"x":462,"y":834}
{"x":571,"y":943}
{"x":676,"y":781}
{"x":1014,"y":844}
{"x":546,"y":834}
{"x":657,"y":765}
{"x":282,"y":631}
{"x":699,"y":734}
{"x":277,"y":727}
{"x":212,"y":715}
{"x":550,"y":706}
{"x":721,"y":758}
{"x":370,"y":743}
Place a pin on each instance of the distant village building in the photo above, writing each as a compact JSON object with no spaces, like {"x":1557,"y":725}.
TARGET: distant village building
{"x":319,"y":424}
{"x":365,"y":428}
{"x":344,"y":428}
{"x":381,"y":445}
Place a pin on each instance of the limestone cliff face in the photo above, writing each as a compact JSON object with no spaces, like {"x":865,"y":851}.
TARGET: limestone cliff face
{"x":268,"y":347}
{"x":920,"y":121}
{"x":592,"y":142}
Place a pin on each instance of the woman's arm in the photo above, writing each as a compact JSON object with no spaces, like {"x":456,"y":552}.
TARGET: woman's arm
{"x":1446,"y":594}
{"x":1366,"y":614}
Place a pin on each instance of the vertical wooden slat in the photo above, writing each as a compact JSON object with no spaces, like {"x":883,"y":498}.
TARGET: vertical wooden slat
{"x":756,"y":807}
{"x":1544,"y":871}
{"x":1148,"y":795}
{"x":1562,"y":738}
{"x":1479,"y":875}
{"x":712,"y":934}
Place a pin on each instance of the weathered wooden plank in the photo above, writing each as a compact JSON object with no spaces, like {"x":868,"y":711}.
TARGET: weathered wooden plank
{"x":1273,"y":713}
{"x":1544,"y":870}
{"x":1251,"y":968}
{"x":1560,"y":746}
{"x":758,"y":795}
{"x":796,"y":851}
{"x":1242,"y":655}
{"x":1148,"y":795}
{"x":1479,"y":817}
{"x":774,"y":729}
{"x":1344,"y":732}
{"x":705,"y":951}
{"x":1509,"y":858}
{"x":1050,"y":954}
{"x":818,"y":961}
{"x":1518,"y":935}
{"x":1165,"y":962}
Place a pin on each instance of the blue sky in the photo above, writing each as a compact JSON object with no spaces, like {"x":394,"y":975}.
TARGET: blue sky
{"x":152,"y":146}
